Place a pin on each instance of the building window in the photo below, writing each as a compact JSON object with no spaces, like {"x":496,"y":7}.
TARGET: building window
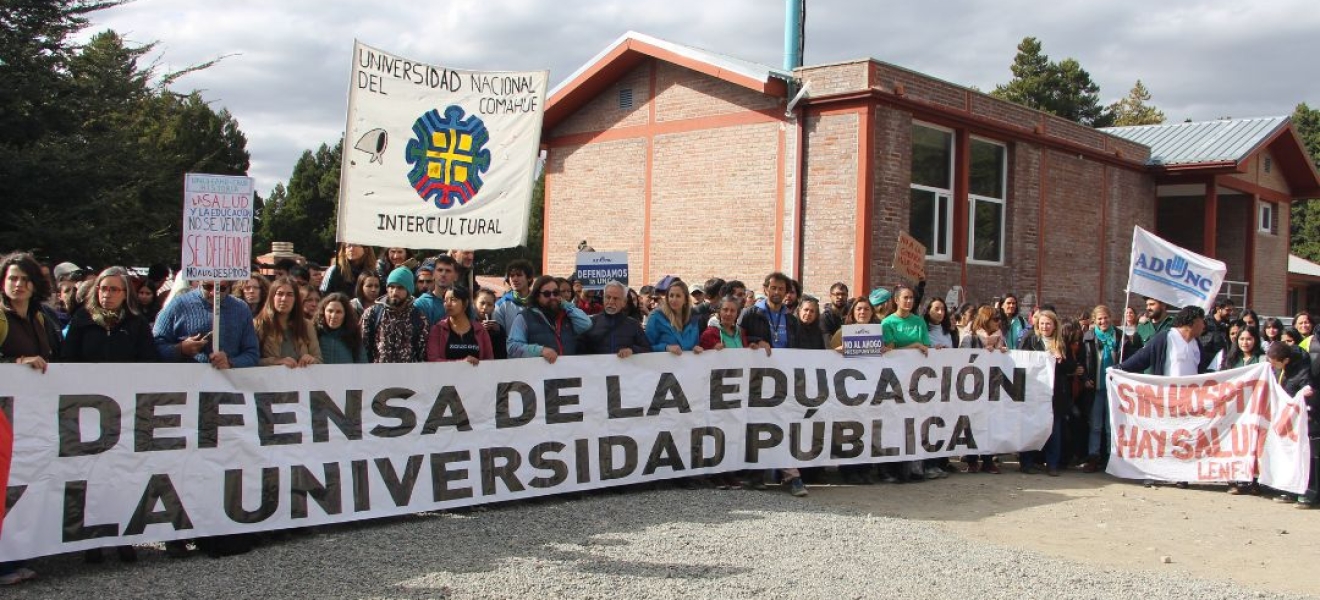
{"x":1268,"y":218}
{"x":625,"y":98}
{"x":931,"y":217}
{"x":988,"y":175}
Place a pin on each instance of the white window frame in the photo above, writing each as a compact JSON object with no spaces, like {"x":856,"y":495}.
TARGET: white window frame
{"x":1265,"y":217}
{"x":944,"y":194}
{"x":972,"y":199}
{"x":944,"y":197}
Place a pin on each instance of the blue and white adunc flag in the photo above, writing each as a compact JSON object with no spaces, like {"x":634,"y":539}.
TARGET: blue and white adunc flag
{"x":1172,"y":274}
{"x":436,"y":157}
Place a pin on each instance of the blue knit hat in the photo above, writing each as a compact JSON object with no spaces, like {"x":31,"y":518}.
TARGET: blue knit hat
{"x":401,"y":277}
{"x":880,"y":296}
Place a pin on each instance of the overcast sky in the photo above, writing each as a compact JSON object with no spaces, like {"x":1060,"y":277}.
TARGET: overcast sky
{"x":287,"y":79}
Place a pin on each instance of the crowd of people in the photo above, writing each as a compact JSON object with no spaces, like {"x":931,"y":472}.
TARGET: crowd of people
{"x":397,"y":307}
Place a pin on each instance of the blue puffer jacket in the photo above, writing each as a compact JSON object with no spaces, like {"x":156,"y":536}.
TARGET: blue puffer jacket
{"x":661,"y":333}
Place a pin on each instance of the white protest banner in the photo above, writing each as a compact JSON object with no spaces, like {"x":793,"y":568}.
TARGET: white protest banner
{"x":595,"y":269}
{"x":436,"y":157}
{"x":108,"y":454}
{"x":862,"y":340}
{"x":1172,"y":274}
{"x":910,"y":257}
{"x":217,"y":227}
{"x":1219,"y":427}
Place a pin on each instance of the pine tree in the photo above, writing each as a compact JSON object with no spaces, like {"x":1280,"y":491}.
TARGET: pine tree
{"x":1134,"y":110}
{"x":1063,"y":88}
{"x":1305,"y":222}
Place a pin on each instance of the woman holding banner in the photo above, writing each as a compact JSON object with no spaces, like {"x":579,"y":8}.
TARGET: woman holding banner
{"x":672,"y":327}
{"x":458,"y":336}
{"x":986,"y":333}
{"x":283,"y":333}
{"x":28,"y":336}
{"x":108,"y":329}
{"x":860,"y":312}
{"x":1103,"y":345}
{"x":1046,"y":336}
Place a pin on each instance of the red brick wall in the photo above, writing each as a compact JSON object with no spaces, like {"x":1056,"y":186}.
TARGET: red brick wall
{"x":829,"y":202}
{"x":682,"y":93}
{"x":603,"y":111}
{"x":1234,"y":216}
{"x":713,"y":192}
{"x":713,"y":204}
{"x":595,"y":192}
{"x":1269,"y":284}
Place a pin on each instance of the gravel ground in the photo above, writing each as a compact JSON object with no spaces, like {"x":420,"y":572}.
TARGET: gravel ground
{"x":640,"y":544}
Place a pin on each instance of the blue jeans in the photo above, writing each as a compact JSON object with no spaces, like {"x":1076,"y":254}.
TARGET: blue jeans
{"x":1054,"y":445}
{"x":1099,"y":422}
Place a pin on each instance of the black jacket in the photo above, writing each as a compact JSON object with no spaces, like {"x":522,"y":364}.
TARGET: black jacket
{"x":611,"y":333}
{"x":1062,"y":398}
{"x":129,"y":341}
{"x":756,"y":326}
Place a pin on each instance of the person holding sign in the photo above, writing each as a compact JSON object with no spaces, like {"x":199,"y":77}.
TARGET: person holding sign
{"x":286,"y":335}
{"x":860,"y":312}
{"x":183,"y":329}
{"x":1292,"y":369}
{"x":674,"y":328}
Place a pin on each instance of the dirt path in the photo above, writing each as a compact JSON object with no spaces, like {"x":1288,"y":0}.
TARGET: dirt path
{"x":1098,"y":519}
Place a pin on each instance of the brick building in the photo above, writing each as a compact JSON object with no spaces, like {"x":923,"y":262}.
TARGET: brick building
{"x":699,"y":164}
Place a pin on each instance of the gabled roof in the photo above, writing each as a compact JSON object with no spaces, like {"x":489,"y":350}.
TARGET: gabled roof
{"x":1227,"y":140}
{"x":1298,"y":266}
{"x":633,"y":48}
{"x":1227,"y":144}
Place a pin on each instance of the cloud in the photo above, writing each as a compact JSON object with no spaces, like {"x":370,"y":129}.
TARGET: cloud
{"x":287,"y":80}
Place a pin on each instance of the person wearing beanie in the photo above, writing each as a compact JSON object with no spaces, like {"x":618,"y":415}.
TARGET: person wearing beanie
{"x":393,"y":330}
{"x":882,"y":300}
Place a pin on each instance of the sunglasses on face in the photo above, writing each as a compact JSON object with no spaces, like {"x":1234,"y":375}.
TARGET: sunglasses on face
{"x":549,"y":293}
{"x":224,"y":287}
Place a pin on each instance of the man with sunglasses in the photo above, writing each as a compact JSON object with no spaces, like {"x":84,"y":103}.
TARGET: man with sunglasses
{"x":183,"y":329}
{"x":548,"y":326}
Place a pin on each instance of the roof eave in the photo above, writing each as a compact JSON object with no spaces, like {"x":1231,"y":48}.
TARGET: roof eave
{"x":624,"y":55}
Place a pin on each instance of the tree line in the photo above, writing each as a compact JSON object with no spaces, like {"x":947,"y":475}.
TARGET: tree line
{"x":94,"y":145}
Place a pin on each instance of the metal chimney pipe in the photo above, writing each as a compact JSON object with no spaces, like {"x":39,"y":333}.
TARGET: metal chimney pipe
{"x":794,"y":32}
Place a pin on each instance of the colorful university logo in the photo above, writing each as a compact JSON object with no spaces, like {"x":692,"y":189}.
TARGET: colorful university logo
{"x":448,"y":156}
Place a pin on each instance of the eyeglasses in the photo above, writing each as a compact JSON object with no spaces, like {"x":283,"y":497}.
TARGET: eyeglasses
{"x":224,"y":287}
{"x":549,"y":293}
{"x":113,"y":289}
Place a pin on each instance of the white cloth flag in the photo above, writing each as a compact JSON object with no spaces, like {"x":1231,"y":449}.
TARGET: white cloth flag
{"x":1172,"y":274}
{"x":436,"y":157}
{"x":1229,"y":426}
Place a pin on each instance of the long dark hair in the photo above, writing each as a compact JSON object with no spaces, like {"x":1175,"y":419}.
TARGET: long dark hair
{"x":268,"y":321}
{"x":32,"y":269}
{"x":946,"y":325}
{"x":352,"y":329}
{"x":1265,"y":327}
{"x":1234,"y":353}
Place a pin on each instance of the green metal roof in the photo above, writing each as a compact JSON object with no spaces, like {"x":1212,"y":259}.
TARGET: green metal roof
{"x":1225,"y":140}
